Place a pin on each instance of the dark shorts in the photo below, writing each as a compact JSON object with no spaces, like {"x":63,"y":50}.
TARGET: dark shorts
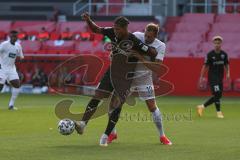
{"x":106,"y":83}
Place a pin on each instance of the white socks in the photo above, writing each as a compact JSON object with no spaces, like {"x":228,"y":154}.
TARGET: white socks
{"x":15,"y":93}
{"x":157,"y":119}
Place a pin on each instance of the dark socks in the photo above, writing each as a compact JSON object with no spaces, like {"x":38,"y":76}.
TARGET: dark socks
{"x":218,"y":105}
{"x":90,"y":110}
{"x":209,"y":102}
{"x":113,"y":118}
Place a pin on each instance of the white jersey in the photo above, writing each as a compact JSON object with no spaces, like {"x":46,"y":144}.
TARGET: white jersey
{"x":8,"y":54}
{"x":144,"y":85}
{"x":160,"y":48}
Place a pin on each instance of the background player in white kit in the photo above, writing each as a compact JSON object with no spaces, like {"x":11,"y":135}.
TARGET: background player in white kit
{"x":144,"y":85}
{"x":9,"y":51}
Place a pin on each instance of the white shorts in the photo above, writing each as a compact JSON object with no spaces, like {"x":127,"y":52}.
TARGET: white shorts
{"x":145,"y":88}
{"x":8,"y":75}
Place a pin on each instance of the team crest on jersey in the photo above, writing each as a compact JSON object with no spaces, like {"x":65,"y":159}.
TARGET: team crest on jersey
{"x":213,"y":58}
{"x":222,"y":56}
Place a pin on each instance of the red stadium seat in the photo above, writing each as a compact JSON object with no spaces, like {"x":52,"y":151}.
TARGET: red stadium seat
{"x":30,"y":26}
{"x":5,"y":26}
{"x":181,"y":49}
{"x":54,"y":36}
{"x":73,"y":26}
{"x":171,"y":23}
{"x":113,"y":9}
{"x":195,"y":17}
{"x":137,"y":26}
{"x":192,"y":27}
{"x":30,"y":46}
{"x":226,"y":27}
{"x":205,"y":48}
{"x":228,"y":18}
{"x":186,"y":37}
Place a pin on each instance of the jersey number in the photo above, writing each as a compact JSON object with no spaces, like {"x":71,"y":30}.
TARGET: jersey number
{"x":150,"y":89}
{"x":216,"y":88}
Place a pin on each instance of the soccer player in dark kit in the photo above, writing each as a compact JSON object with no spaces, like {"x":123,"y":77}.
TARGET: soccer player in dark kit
{"x":118,"y":35}
{"x":216,"y":60}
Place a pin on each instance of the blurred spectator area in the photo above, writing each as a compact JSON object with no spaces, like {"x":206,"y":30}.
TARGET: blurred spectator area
{"x":47,"y":37}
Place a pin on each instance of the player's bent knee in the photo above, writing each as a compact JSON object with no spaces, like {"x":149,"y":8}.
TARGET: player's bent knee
{"x":152,"y":106}
{"x":15,"y":83}
{"x":218,"y":95}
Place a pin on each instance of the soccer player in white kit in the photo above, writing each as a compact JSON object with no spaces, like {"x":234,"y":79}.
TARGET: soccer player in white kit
{"x":144,"y":85}
{"x":9,"y":51}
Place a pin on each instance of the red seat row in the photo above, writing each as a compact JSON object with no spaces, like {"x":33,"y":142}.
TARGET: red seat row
{"x":62,"y":47}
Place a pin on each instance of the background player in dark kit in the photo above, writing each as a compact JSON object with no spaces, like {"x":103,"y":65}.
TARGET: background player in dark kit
{"x":216,"y":60}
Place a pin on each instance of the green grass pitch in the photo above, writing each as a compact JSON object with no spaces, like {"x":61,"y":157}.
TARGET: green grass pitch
{"x":31,"y":132}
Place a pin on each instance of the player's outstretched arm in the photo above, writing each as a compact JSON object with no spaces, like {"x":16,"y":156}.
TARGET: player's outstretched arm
{"x":227,"y":71}
{"x":95,"y":28}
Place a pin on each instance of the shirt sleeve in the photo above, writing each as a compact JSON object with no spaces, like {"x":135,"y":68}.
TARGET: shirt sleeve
{"x":107,"y":31}
{"x":161,"y":52}
{"x":20,"y":52}
{"x":207,"y":60}
{"x":138,"y":45}
{"x":226,"y":62}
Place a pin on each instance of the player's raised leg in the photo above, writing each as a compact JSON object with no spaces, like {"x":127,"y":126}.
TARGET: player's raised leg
{"x":104,"y":89}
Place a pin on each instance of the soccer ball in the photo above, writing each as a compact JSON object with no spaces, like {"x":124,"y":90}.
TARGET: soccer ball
{"x":66,"y":126}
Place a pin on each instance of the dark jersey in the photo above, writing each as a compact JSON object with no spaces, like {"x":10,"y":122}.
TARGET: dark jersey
{"x":124,"y":45}
{"x":115,"y":77}
{"x":216,"y":63}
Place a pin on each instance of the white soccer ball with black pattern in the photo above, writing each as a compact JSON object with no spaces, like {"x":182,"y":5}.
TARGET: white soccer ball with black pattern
{"x":66,"y":126}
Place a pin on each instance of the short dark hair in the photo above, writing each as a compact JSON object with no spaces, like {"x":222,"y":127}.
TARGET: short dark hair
{"x":151,"y":27}
{"x":121,"y":21}
{"x":13,"y":32}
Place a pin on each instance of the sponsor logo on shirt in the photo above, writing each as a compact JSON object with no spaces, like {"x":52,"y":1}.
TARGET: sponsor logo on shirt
{"x":218,"y":62}
{"x":12,"y":55}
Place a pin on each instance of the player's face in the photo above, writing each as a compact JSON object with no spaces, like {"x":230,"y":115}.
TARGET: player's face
{"x":217,"y":44}
{"x":149,"y":37}
{"x":120,"y":31}
{"x":13,"y":37}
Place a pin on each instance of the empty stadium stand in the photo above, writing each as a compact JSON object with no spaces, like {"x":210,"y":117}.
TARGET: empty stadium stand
{"x":189,"y":31}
